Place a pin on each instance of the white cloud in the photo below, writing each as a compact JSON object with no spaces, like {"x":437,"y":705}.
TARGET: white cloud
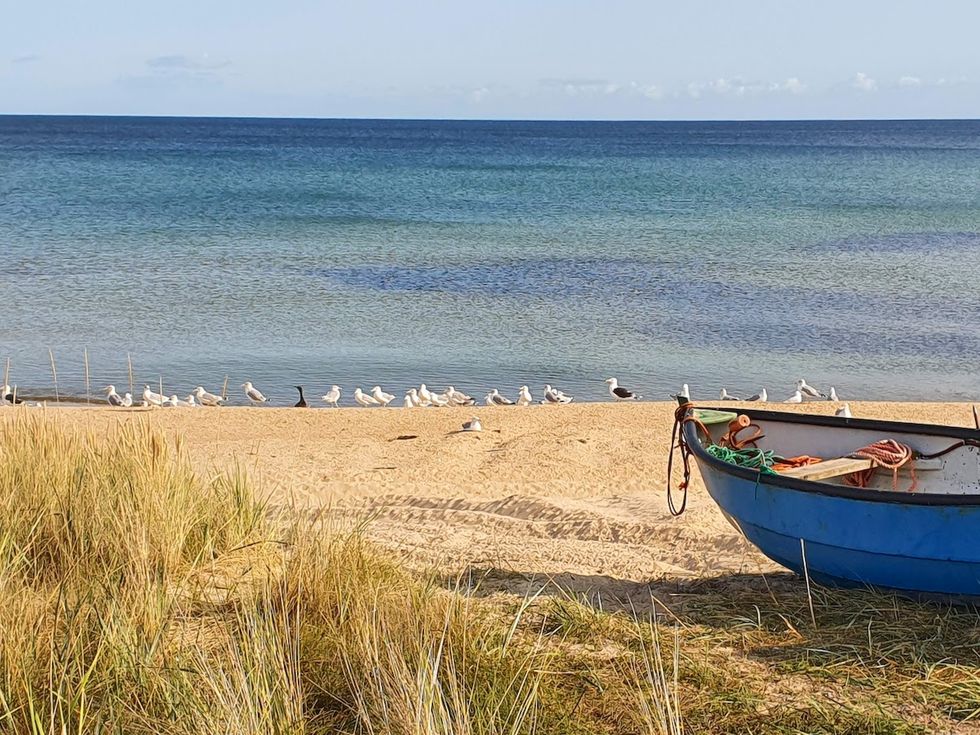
{"x":478,"y":95}
{"x":863,"y":82}
{"x":736,"y":87}
{"x":909,"y":81}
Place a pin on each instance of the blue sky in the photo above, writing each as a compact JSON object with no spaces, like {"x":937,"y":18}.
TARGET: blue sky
{"x":502,"y":59}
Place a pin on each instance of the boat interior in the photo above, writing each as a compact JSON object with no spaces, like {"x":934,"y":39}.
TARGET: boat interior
{"x":943,"y":460}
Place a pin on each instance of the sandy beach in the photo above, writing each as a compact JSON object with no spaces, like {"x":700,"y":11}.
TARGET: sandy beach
{"x":576,"y":491}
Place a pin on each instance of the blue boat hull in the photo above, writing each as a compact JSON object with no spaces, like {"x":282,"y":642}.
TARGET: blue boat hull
{"x":849,"y":541}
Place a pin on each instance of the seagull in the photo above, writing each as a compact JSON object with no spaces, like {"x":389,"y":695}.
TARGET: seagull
{"x":844,"y":412}
{"x":408,"y":402}
{"x":9,"y":395}
{"x":380,"y":396}
{"x":438,"y":400}
{"x":524,"y":396}
{"x":725,"y":397}
{"x":618,"y":392}
{"x":425,"y":398}
{"x":795,"y":398}
{"x":413,"y":396}
{"x":495,"y":399}
{"x":154,"y":399}
{"x":127,"y":400}
{"x":458,"y":397}
{"x":685,"y":392}
{"x":301,"y":403}
{"x":332,"y":396}
{"x":761,"y":397}
{"x":192,"y":401}
{"x":808,"y":390}
{"x":253,"y":394}
{"x":363,"y":399}
{"x":113,"y":398}
{"x":473,"y":425}
{"x":189,"y":403}
{"x":207,"y":399}
{"x":832,"y":396}
{"x":170,"y":402}
{"x":555,"y":396}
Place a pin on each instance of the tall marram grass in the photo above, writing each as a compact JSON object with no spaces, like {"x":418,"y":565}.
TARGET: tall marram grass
{"x":138,"y":596}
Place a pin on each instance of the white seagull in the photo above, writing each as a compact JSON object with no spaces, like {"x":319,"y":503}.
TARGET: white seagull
{"x":192,"y":401}
{"x":207,"y":399}
{"x":439,"y":400}
{"x":495,"y":399}
{"x":685,"y":392}
{"x":555,"y":396}
{"x":832,"y":394}
{"x":761,"y":397}
{"x":844,"y":411}
{"x":365,"y":400}
{"x":153,"y":399}
{"x":171,"y":402}
{"x":797,"y":397}
{"x":408,"y":402}
{"x":618,"y":392}
{"x":332,"y":396}
{"x":473,"y":425}
{"x":413,"y":396}
{"x":127,"y":400}
{"x":807,"y":390}
{"x":458,"y":398}
{"x":425,"y":398}
{"x":253,"y":394}
{"x":114,"y":398}
{"x":524,"y":397}
{"x":725,"y":397}
{"x":380,"y":396}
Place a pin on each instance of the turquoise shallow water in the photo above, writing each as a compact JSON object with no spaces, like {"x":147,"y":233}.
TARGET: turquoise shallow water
{"x":493,"y":254}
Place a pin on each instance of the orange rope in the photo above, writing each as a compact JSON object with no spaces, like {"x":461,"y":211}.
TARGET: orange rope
{"x":886,"y":453}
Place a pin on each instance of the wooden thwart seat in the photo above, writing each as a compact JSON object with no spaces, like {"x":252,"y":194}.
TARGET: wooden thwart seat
{"x":846,"y":465}
{"x":828,"y":468}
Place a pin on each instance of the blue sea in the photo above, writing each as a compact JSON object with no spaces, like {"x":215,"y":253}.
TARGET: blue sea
{"x":492,"y":254}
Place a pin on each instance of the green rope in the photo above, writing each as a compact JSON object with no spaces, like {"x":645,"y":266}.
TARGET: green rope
{"x":753,"y":459}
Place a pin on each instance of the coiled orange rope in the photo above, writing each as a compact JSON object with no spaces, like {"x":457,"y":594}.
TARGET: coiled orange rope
{"x":886,"y":453}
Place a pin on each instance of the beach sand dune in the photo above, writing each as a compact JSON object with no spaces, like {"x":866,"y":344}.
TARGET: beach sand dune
{"x":574,"y":492}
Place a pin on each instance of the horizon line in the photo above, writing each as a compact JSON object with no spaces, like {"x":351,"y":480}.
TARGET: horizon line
{"x":483,"y":120}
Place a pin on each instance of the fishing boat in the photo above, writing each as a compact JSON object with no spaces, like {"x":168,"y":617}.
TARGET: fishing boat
{"x":848,"y":502}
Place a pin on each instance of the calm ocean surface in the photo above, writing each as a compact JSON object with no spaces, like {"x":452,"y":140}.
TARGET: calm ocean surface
{"x":492,"y":254}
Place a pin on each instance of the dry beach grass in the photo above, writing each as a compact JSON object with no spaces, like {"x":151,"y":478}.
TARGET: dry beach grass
{"x":527,"y":579}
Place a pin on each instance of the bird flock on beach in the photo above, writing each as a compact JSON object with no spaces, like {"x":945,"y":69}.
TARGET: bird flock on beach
{"x":423,"y":397}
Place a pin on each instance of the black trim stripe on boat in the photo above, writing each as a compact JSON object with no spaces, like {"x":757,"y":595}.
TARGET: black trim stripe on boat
{"x":822,"y":488}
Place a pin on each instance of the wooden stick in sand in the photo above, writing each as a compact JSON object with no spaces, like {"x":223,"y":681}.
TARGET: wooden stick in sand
{"x":54,"y":374}
{"x":88,"y":383}
{"x":129,"y":359}
{"x":224,"y":389}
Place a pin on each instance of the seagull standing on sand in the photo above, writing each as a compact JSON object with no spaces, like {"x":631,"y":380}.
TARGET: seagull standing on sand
{"x":795,"y":398}
{"x":808,"y":390}
{"x":618,"y":392}
{"x":301,"y":403}
{"x":425,"y":398}
{"x":408,"y":402}
{"x":473,"y":425}
{"x":253,"y":394}
{"x":761,"y":397}
{"x":192,"y":401}
{"x":363,"y":399}
{"x":207,"y":399}
{"x":153,"y":399}
{"x":832,"y":394}
{"x":685,"y":392}
{"x":380,"y":396}
{"x":113,"y":398}
{"x":332,"y":396}
{"x":413,"y":396}
{"x":458,"y":398}
{"x":524,"y":397}
{"x":725,"y":397}
{"x":495,"y":399}
{"x":438,"y":400}
{"x":555,"y":396}
{"x":844,"y":412}
{"x":127,"y":400}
